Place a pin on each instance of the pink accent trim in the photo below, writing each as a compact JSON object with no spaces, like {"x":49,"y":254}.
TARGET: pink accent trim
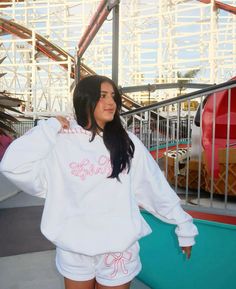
{"x":75,"y":130}
{"x":117,"y":261}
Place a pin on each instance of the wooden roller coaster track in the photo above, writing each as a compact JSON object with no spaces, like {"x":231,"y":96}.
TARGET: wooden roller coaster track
{"x":59,"y":55}
{"x":43,"y":45}
{"x":54,"y":52}
{"x":218,"y":5}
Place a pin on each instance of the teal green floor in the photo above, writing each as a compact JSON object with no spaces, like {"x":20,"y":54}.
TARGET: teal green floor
{"x":212,"y":265}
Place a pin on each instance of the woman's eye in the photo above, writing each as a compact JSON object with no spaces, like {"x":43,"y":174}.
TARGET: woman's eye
{"x":103,"y":95}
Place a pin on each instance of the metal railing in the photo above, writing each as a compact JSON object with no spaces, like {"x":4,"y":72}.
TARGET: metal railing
{"x":175,"y":140}
{"x":195,"y":150}
{"x":22,"y":127}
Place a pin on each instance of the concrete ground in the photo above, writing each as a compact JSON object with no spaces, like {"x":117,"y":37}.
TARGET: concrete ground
{"x":7,"y":189}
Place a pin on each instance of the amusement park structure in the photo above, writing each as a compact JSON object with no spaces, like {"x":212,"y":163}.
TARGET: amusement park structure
{"x":157,"y":40}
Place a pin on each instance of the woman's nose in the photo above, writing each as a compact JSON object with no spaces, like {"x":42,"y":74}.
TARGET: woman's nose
{"x":110,"y":99}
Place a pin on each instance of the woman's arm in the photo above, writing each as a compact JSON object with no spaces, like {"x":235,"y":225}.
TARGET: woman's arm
{"x":154,"y":194}
{"x":24,"y":160}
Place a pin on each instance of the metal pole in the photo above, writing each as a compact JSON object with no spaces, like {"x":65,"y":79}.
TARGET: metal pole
{"x":77,"y":69}
{"x":115,"y":44}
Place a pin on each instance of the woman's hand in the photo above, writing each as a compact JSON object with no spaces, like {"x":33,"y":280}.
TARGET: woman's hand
{"x":63,"y":121}
{"x":187,"y":251}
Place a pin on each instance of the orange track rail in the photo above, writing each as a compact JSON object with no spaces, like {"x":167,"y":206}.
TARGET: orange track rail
{"x":10,"y":3}
{"x":43,"y":45}
{"x":222,"y":6}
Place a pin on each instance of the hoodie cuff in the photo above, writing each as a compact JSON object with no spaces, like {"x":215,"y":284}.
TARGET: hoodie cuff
{"x":186,"y":241}
{"x":186,"y":233}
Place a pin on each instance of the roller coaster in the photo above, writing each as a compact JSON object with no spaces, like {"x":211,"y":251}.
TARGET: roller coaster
{"x":14,"y":23}
{"x":55,"y":53}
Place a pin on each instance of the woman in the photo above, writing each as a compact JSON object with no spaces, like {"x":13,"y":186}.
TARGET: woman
{"x":94,"y":176}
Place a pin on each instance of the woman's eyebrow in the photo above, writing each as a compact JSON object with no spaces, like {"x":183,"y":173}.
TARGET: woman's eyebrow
{"x":105,"y":91}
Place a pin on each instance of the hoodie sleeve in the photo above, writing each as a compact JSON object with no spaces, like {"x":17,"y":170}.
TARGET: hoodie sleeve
{"x":154,"y":194}
{"x":24,"y":160}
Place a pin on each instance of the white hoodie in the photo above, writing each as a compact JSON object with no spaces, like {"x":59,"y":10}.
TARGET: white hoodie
{"x":85,"y":211}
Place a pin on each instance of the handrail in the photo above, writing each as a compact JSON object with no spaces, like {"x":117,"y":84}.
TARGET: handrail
{"x":157,"y":86}
{"x":188,"y":96}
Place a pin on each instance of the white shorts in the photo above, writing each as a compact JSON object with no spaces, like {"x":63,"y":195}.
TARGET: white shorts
{"x":111,"y":269}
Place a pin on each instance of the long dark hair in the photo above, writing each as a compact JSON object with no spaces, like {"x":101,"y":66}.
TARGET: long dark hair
{"x":85,"y":98}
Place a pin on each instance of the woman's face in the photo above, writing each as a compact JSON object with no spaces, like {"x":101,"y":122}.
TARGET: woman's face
{"x":106,"y":107}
